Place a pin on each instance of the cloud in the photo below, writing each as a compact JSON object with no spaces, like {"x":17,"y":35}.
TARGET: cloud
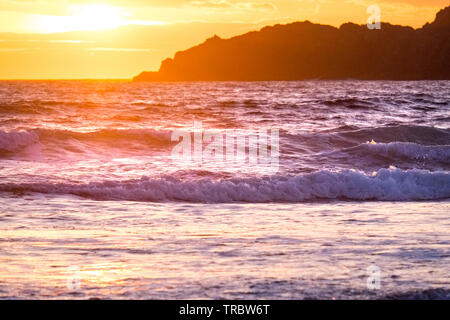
{"x":240,"y":5}
{"x":421,"y":3}
{"x":212,"y":4}
{"x":414,"y":3}
{"x":259,"y":5}
{"x":23,"y":4}
{"x":120,"y":49}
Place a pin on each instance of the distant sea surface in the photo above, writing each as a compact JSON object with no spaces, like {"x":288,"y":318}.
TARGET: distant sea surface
{"x":92,"y":205}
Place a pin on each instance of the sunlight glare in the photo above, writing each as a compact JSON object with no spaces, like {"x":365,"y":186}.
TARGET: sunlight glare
{"x":96,"y":16}
{"x":89,"y":17}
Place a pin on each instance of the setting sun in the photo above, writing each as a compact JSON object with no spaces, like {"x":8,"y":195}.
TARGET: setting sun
{"x":89,"y":17}
{"x":96,"y":16}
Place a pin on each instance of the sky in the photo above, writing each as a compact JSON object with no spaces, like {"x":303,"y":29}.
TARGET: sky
{"x":68,"y":39}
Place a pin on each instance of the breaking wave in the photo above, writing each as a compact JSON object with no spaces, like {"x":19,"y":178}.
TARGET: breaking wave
{"x":386,"y":184}
{"x":407,"y":150}
{"x":15,"y":141}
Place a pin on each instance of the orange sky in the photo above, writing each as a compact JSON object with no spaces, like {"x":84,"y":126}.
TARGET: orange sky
{"x":48,"y":39}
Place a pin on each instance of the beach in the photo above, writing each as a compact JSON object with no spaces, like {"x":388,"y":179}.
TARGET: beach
{"x":93,"y":203}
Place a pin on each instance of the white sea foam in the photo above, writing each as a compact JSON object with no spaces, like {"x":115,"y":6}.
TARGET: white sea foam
{"x":15,"y":140}
{"x":385,"y":184}
{"x":409,"y":150}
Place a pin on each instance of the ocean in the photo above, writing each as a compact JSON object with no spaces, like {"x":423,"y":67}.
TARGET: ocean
{"x":352,"y":204}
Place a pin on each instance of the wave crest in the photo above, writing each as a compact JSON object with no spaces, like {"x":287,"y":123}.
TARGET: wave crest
{"x":408,"y":150}
{"x":11,"y":141}
{"x":15,"y":141}
{"x":386,"y":184}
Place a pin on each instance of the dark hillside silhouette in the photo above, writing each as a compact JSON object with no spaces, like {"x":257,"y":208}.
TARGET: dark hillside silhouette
{"x":303,"y":50}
